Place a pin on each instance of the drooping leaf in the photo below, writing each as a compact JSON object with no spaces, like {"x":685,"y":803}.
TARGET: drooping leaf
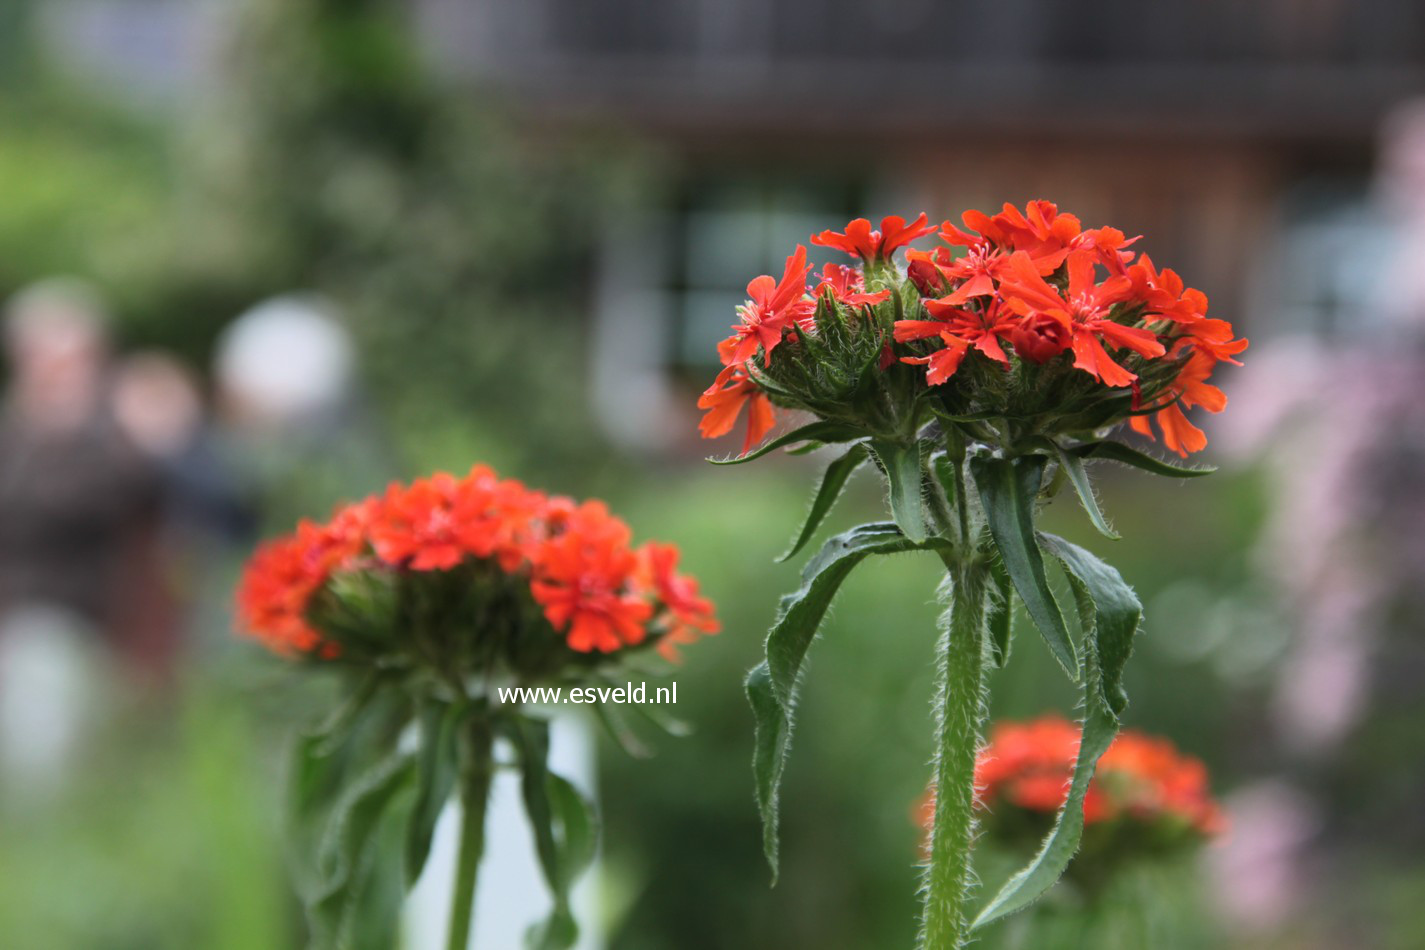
{"x":832,"y":482}
{"x":812,"y":432}
{"x":1109,"y":613}
{"x":1118,"y":452}
{"x":361,"y":731}
{"x":1000,"y":614}
{"x":1008,"y":489}
{"x":345,"y":856}
{"x":1073,"y":466}
{"x":900,"y":462}
{"x":771,"y":685}
{"x":672,"y":725}
{"x":611,"y":716}
{"x":437,"y":768}
{"x":565,"y":831}
{"x":1116,"y":612}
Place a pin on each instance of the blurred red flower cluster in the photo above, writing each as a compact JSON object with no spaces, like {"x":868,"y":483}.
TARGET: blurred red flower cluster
{"x":1018,"y":288}
{"x":1141,"y":778}
{"x":574,"y":559}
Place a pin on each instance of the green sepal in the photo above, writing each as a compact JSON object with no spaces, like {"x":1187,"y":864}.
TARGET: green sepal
{"x":1008,"y":489}
{"x":900,"y":463}
{"x":771,"y":685}
{"x":813,"y":432}
{"x":1073,"y":466}
{"x":832,"y":482}
{"x":1109,"y":613}
{"x":1118,"y":452}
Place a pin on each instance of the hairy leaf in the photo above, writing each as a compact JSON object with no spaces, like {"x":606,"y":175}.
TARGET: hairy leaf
{"x":771,"y":685}
{"x":1073,"y":466}
{"x":1000,"y":614}
{"x":812,"y":432}
{"x":832,"y":482}
{"x":1118,"y":452}
{"x":1109,"y":613}
{"x":901,"y":464}
{"x":1008,"y":489}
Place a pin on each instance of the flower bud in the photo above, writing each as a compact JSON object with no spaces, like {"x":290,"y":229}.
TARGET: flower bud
{"x":926,"y":277}
{"x":1039,"y":338}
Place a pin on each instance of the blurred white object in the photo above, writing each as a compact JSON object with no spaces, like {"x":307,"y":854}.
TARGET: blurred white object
{"x":49,"y":683}
{"x":511,"y":894}
{"x":286,"y":359}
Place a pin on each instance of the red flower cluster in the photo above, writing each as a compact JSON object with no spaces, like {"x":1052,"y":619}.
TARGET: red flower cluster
{"x":575,"y":560}
{"x":1034,"y":281}
{"x":1140,"y":777}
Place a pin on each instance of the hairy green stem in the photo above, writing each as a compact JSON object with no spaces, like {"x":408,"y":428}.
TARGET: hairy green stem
{"x":477,"y":768}
{"x":948,"y":878}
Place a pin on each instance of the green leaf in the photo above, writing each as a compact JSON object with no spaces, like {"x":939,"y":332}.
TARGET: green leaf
{"x":672,"y":725}
{"x":771,"y":685}
{"x":769,"y":754}
{"x":578,"y":828}
{"x":1008,"y":489}
{"x":813,"y":432}
{"x":1118,"y":452}
{"x":831,"y":484}
{"x":565,"y":831}
{"x":1000,"y":614}
{"x":945,"y":474}
{"x":1073,"y":466}
{"x":901,"y":464}
{"x":611,"y":716}
{"x":1115,"y":616}
{"x":1109,"y":613}
{"x":346,"y":855}
{"x":437,"y":768}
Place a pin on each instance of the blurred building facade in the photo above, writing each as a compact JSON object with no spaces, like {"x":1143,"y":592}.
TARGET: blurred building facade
{"x":1219,"y":129}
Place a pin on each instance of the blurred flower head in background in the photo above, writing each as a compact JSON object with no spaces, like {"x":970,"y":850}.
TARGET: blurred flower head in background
{"x":1143,"y":784}
{"x":469,"y":575}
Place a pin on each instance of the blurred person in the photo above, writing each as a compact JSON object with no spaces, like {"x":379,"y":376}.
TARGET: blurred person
{"x":207,"y":509}
{"x":287,"y":398}
{"x":78,"y":575}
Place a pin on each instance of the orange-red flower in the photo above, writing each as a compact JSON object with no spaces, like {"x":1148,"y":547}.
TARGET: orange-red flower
{"x":1084,"y":311}
{"x":724,"y":400}
{"x":847,"y":285}
{"x":690,"y":613}
{"x":860,"y":240}
{"x":573,"y":560}
{"x":1141,"y":777}
{"x":1033,"y":278}
{"x":583,"y":580}
{"x":1039,"y":338}
{"x":774,"y":307}
{"x":960,"y":330}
